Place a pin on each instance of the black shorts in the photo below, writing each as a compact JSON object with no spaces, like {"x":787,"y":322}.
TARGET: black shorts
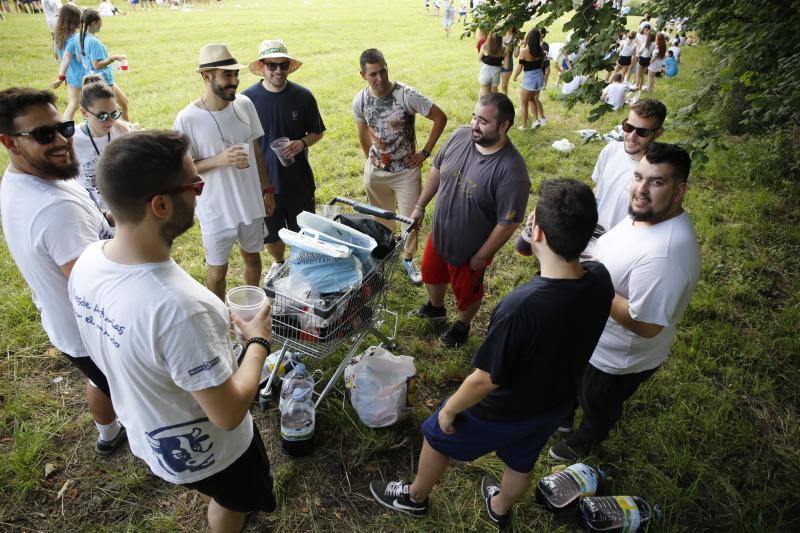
{"x":91,"y":371}
{"x":644,"y":61}
{"x":624,"y":60}
{"x":285,"y":215}
{"x":246,"y":485}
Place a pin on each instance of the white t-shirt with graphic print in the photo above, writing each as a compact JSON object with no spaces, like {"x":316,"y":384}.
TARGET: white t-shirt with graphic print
{"x":158,"y":335}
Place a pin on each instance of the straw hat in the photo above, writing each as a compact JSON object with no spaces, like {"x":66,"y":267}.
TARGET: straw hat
{"x":273,"y":49}
{"x":216,"y":56}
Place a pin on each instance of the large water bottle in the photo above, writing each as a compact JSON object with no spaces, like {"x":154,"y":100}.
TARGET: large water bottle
{"x":614,"y":514}
{"x":562,"y":490}
{"x":299,"y":378}
{"x":297,"y":423}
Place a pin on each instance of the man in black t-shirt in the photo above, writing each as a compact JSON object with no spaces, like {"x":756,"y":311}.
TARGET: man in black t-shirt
{"x":526,"y":371}
{"x":288,"y":110}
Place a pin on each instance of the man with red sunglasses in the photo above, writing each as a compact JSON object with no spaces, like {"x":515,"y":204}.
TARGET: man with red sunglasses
{"x":617,"y":161}
{"x":48,"y":220}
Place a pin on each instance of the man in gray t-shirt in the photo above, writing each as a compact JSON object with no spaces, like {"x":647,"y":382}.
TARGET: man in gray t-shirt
{"x":482,"y":185}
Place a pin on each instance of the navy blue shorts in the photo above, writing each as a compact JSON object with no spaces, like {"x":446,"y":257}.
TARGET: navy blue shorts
{"x":516,"y":443}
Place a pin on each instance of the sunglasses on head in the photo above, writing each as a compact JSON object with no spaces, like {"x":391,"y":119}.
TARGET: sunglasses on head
{"x":641,"y":132}
{"x":46,"y":134}
{"x":272,"y":67}
{"x":197,"y":185}
{"x":103,"y":116}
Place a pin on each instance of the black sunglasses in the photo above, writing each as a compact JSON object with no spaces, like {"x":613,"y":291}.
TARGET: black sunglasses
{"x":272,"y":67}
{"x":197,"y":185}
{"x":103,"y":116}
{"x":46,"y":134}
{"x":641,"y":132}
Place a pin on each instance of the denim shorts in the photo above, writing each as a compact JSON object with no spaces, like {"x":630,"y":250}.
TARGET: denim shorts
{"x":533,"y":80}
{"x":489,"y":75}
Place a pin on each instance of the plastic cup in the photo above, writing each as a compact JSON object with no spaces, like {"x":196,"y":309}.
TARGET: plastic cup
{"x":278,"y":146}
{"x":331,"y":211}
{"x":244,"y":302}
{"x":245,"y":147}
{"x":123,"y":64}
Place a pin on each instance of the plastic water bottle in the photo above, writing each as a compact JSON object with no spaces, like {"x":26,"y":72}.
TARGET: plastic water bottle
{"x":523,"y":244}
{"x":299,"y":378}
{"x":614,"y":514}
{"x":562,"y":490}
{"x":297,"y":423}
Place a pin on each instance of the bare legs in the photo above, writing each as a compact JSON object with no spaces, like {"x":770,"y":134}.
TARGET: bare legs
{"x":436,"y":296}
{"x":99,"y":405}
{"x":74,"y":95}
{"x":524,"y":97}
{"x":222,"y":520}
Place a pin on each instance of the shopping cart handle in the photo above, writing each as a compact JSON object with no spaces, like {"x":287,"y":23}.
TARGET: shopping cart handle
{"x":367,"y":209}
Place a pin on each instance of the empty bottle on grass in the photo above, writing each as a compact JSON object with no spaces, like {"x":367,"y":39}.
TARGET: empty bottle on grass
{"x":562,"y":490}
{"x":299,"y":378}
{"x":614,"y":514}
{"x":297,"y":423}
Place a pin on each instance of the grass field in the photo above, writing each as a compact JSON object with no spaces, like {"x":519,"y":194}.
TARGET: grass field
{"x":712,"y":438}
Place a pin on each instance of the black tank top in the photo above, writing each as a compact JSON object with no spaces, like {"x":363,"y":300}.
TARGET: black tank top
{"x":527,"y":66}
{"x":492,"y":61}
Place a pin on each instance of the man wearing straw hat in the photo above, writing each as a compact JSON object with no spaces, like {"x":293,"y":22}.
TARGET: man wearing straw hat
{"x":223,"y":129}
{"x":291,"y":122}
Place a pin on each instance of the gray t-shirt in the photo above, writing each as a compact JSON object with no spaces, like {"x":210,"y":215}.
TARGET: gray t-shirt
{"x":390,"y":120}
{"x":476,"y":193}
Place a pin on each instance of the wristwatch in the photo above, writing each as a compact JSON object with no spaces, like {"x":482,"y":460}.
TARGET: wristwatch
{"x":427,"y":153}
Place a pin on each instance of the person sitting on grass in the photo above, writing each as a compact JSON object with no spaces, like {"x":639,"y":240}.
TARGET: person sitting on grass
{"x":671,"y":65}
{"x":527,"y":369}
{"x":614,"y":93}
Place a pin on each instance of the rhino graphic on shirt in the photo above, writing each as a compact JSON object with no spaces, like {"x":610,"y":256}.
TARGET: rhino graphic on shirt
{"x":182,"y":447}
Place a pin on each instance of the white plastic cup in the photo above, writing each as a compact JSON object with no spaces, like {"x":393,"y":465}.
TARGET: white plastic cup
{"x":245,"y":147}
{"x":123,"y":65}
{"x":278,"y":146}
{"x":244,"y":302}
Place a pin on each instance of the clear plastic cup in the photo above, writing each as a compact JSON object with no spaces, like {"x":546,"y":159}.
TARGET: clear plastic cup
{"x":330,"y":211}
{"x":244,"y":302}
{"x":245,"y":147}
{"x":278,"y":146}
{"x":123,"y":65}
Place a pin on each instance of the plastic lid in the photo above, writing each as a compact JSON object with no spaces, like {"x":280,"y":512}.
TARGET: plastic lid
{"x":299,"y":367}
{"x":299,"y":394}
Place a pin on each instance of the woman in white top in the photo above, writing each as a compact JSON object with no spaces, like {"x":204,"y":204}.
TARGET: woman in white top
{"x":644,"y":53}
{"x":101,"y":125}
{"x":627,"y":48}
{"x":657,"y":64}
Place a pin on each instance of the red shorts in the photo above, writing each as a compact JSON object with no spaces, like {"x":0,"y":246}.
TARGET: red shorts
{"x":467,"y":284}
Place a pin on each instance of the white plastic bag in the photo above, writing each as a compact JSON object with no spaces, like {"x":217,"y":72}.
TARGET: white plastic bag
{"x":378,"y":385}
{"x":563,"y":145}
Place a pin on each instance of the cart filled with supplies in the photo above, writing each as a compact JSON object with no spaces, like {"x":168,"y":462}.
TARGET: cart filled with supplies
{"x":331,"y":292}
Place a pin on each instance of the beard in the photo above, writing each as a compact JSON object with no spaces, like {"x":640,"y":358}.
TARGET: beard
{"x":482,"y":139}
{"x":219,"y":90}
{"x":648,"y":214}
{"x":45,"y":168}
{"x":182,"y":219}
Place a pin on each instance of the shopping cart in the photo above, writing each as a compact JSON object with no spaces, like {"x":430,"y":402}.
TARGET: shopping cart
{"x":321,"y":327}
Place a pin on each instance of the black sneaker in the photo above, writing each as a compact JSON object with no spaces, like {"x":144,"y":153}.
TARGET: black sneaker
{"x":456,"y":336}
{"x":567,"y":425}
{"x":430,"y":312}
{"x":566,"y":452}
{"x":395,"y":496}
{"x":107,"y":447}
{"x":489,"y":488}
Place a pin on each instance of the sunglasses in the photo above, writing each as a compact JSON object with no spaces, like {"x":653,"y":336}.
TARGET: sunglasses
{"x":46,"y":134}
{"x":272,"y":67}
{"x":197,"y":185}
{"x":103,"y":116}
{"x":641,"y":132}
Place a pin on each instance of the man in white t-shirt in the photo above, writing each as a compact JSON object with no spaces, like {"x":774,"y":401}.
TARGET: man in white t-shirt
{"x":48,"y":220}
{"x":614,"y":93}
{"x":617,"y":161}
{"x":654,"y":261}
{"x":384,"y":112}
{"x":163,"y":339}
{"x":224,"y":130}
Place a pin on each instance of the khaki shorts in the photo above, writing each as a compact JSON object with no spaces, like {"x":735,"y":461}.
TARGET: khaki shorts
{"x":218,"y":245}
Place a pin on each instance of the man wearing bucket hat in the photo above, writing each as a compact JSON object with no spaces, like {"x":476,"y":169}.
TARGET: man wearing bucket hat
{"x":384,"y":113}
{"x":291,"y":122}
{"x":224,"y":130}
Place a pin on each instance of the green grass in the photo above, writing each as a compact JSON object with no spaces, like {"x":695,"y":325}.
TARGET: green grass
{"x":712,"y":438}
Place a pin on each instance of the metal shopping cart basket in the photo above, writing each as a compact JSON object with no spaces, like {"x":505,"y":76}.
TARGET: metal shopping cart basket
{"x":320,"y":328}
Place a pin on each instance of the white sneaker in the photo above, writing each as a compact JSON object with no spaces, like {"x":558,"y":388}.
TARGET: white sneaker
{"x":413,"y":271}
{"x":272,"y":271}
{"x":521,"y":127}
{"x":535,"y":124}
{"x":542,"y":121}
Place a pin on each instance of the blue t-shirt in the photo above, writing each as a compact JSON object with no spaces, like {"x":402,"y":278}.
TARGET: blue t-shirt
{"x":94,"y":50}
{"x":541,"y":335}
{"x":75,"y":70}
{"x":291,"y":113}
{"x":671,"y":66}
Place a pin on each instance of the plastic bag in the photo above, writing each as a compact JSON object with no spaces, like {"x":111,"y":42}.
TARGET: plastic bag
{"x":377,"y":383}
{"x":326,"y":274}
{"x":563,"y":145}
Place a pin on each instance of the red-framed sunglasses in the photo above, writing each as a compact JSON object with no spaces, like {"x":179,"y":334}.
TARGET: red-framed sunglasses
{"x":197,"y":185}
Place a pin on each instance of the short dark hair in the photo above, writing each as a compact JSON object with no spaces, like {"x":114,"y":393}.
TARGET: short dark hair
{"x":501,"y":102}
{"x":679,"y":159}
{"x":15,"y":100}
{"x":650,"y":107}
{"x":617,"y":77}
{"x":567,"y":214}
{"x":137,"y":166}
{"x":371,"y":55}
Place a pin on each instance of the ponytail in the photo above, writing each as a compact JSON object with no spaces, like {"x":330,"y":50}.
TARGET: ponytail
{"x":94,"y":88}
